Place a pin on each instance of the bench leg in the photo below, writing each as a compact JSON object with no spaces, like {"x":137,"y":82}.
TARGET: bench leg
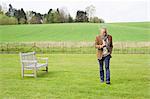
{"x":35,"y":73}
{"x":46,"y":68}
{"x":22,"y":72}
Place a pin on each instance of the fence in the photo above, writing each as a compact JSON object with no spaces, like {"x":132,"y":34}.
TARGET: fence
{"x":73,"y":47}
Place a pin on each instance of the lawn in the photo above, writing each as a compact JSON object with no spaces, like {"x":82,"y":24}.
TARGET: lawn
{"x":138,"y":31}
{"x":76,"y":76}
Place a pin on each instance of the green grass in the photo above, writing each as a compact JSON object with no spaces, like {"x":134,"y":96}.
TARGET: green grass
{"x":76,"y":76}
{"x":74,"y":32}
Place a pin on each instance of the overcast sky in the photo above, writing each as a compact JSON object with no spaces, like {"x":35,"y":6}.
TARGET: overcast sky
{"x":109,"y":10}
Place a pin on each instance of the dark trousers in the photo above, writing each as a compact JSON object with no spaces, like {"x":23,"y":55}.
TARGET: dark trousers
{"x":105,"y":60}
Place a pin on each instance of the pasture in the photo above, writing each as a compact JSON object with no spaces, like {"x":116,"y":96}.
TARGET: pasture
{"x":76,"y":76}
{"x":74,"y":32}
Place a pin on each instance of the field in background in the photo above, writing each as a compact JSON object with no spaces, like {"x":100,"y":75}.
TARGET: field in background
{"x":74,"y":32}
{"x":73,"y":38}
{"x":76,"y":76}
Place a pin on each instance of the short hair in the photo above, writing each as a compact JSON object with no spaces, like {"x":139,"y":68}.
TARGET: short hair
{"x":104,"y":29}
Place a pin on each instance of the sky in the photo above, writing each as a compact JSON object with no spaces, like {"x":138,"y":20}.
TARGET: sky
{"x":109,"y":10}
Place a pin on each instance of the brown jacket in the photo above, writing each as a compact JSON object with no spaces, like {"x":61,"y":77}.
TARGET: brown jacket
{"x":98,"y":41}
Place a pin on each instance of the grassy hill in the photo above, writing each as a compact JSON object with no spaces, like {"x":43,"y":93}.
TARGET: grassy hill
{"x":139,"y":31}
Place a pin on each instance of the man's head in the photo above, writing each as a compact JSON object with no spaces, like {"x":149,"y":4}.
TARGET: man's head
{"x":103,"y":31}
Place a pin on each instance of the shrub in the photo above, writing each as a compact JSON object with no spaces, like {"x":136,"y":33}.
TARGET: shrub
{"x":35,"y":20}
{"x":95,"y":20}
{"x":5,"y":20}
{"x":22,"y":21}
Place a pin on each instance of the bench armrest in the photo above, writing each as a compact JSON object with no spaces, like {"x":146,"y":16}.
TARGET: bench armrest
{"x":44,"y":58}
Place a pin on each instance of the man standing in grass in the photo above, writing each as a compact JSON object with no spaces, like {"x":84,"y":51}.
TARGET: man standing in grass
{"x":104,"y":45}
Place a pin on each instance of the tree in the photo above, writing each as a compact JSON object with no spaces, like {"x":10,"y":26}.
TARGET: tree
{"x":81,"y":16}
{"x":29,"y":15}
{"x":102,"y":20}
{"x":1,"y":11}
{"x":90,"y":11}
{"x":49,"y":16}
{"x":64,"y":15}
{"x":53,"y":16}
{"x":22,"y":17}
{"x":50,"y":10}
{"x":22,"y":21}
{"x":0,"y":8}
{"x":18,"y":14}
{"x":70,"y":19}
{"x":3,"y":7}
{"x":95,"y":20}
{"x":57,"y":16}
{"x":11,"y":11}
{"x":36,"y":18}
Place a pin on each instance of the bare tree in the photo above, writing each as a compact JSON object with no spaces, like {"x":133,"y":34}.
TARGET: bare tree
{"x":29,"y":15}
{"x":4,"y":7}
{"x":64,"y":14}
{"x":90,"y":11}
{"x":0,"y":8}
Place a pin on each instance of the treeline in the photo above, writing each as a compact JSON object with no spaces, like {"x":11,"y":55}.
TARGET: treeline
{"x":19,"y":16}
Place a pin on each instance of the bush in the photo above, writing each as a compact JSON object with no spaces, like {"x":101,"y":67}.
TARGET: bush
{"x":35,"y":20}
{"x":95,"y":20}
{"x":22,"y":21}
{"x":5,"y":20}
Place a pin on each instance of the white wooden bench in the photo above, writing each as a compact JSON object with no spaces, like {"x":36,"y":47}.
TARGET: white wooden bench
{"x":29,"y":61}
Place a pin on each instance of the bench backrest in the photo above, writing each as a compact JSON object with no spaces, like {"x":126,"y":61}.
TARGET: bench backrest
{"x":30,"y":56}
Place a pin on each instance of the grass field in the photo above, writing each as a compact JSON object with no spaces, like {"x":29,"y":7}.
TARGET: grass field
{"x":74,"y":32}
{"x":76,"y":76}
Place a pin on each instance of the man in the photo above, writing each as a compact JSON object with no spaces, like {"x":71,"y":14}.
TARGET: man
{"x":104,"y":45}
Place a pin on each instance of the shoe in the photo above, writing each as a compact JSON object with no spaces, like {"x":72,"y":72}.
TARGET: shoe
{"x":108,"y":83}
{"x":102,"y":81}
